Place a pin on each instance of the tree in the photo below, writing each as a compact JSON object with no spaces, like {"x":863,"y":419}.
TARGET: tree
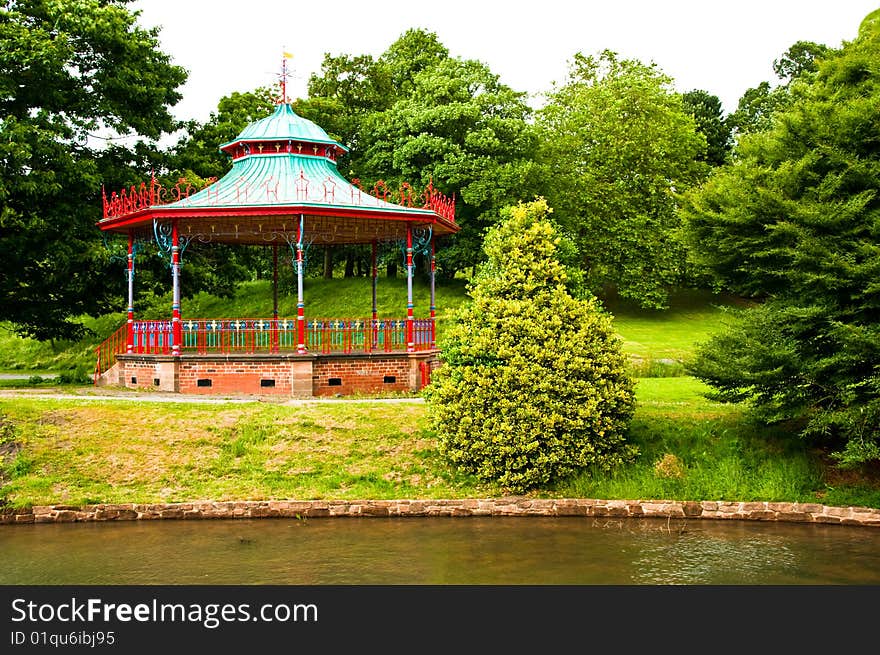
{"x":619,"y":146}
{"x":758,"y":104}
{"x":198,"y":150}
{"x":351,"y":89}
{"x":709,"y":118}
{"x":793,"y":223}
{"x":416,"y":115}
{"x":534,"y":383}
{"x":70,"y":73}
{"x":465,"y":132}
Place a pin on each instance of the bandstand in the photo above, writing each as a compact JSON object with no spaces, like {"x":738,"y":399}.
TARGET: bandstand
{"x":283,"y":191}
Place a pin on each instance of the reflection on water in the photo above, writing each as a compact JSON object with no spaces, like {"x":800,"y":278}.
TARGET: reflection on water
{"x":469,"y":550}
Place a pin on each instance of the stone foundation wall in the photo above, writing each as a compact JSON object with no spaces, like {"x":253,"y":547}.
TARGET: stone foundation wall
{"x":140,"y":375}
{"x":350,"y":375}
{"x":279,"y":374}
{"x":241,"y":376}
{"x":578,"y":507}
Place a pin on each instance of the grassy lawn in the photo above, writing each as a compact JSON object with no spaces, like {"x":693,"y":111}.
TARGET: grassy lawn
{"x":692,"y":317}
{"x":78,"y":451}
{"x":89,"y":451}
{"x":84,"y":451}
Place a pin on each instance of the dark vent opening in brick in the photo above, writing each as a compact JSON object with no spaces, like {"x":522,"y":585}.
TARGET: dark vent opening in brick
{"x":155,"y":382}
{"x":134,"y":380}
{"x":335,"y":382}
{"x":389,"y":379}
{"x":267,"y":383}
{"x":203,"y":382}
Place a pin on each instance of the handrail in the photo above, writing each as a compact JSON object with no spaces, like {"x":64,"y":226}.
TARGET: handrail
{"x":106,"y":352}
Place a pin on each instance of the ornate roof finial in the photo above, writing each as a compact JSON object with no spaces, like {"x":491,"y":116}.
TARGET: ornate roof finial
{"x":284,"y":75}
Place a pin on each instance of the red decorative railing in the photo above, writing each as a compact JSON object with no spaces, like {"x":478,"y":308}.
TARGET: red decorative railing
{"x":107,"y":351}
{"x":440,"y":204}
{"x":247,"y":335}
{"x":406,"y":196}
{"x":136,"y":198}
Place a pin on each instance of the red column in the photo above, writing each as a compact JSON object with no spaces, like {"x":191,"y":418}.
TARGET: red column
{"x":300,"y":304}
{"x":176,"y":327}
{"x":375,"y":274}
{"x":433,"y":307}
{"x":410,"y":343}
{"x":275,"y":297}
{"x":374,"y":328}
{"x":129,"y":337}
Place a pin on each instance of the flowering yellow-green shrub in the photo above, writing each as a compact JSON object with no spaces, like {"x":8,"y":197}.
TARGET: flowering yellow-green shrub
{"x":534,"y":383}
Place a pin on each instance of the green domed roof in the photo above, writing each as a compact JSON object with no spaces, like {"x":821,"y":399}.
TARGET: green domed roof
{"x":283,"y":124}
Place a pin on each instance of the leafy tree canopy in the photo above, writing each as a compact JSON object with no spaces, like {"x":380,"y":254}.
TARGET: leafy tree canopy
{"x":757,"y":105}
{"x":350,"y":88}
{"x":198,"y":151}
{"x":709,"y":118}
{"x":793,"y":222}
{"x":534,"y":384}
{"x":70,"y":73}
{"x":619,"y":146}
{"x":463,"y":130}
{"x":417,"y":115}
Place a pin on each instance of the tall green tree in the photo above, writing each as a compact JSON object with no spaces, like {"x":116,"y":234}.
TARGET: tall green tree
{"x":70,"y":72}
{"x":758,"y":104}
{"x":793,"y":222}
{"x":534,"y":384}
{"x":350,"y":89}
{"x":417,"y":115}
{"x":197,"y":151}
{"x":619,"y":146}
{"x":466,"y":132}
{"x":708,"y":115}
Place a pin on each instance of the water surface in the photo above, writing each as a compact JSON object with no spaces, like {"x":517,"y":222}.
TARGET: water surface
{"x":448,"y":550}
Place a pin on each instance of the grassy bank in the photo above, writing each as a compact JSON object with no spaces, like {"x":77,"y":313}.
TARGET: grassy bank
{"x":89,"y":451}
{"x":657,"y":341}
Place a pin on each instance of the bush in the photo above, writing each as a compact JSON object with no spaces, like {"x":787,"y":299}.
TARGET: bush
{"x":73,"y":376}
{"x":534,"y":384}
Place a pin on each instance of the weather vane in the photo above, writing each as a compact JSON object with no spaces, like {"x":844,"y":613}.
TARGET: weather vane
{"x":284,"y":76}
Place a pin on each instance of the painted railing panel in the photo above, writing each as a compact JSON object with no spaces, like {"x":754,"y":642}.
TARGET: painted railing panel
{"x":107,"y":351}
{"x":261,"y":335}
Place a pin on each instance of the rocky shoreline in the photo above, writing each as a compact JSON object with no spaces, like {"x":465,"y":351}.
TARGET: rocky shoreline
{"x":501,"y":507}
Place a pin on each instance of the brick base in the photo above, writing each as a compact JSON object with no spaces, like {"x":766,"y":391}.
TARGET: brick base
{"x":277,"y":374}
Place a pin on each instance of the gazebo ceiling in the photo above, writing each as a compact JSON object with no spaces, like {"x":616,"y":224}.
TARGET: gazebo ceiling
{"x":283,"y":172}
{"x":266,"y":228}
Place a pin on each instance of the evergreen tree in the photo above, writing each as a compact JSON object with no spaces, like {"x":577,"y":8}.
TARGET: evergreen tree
{"x":534,"y":383}
{"x":793,"y":222}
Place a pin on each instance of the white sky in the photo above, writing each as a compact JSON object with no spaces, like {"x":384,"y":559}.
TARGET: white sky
{"x":723,"y":47}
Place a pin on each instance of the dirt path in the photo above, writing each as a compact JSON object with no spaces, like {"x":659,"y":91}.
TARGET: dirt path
{"x":92,"y":393}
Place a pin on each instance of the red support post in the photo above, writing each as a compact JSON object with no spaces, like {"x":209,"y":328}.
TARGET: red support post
{"x":374,"y":269}
{"x":433,"y":307}
{"x":300,"y":304}
{"x":129,"y":334}
{"x":176,"y":327}
{"x":410,"y":342}
{"x":274,"y":297}
{"x":375,"y":273}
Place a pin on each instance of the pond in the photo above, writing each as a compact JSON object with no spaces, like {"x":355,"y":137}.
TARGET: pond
{"x":440,"y":551}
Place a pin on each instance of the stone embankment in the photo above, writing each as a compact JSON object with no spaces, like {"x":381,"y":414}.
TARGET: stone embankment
{"x":514,"y":506}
